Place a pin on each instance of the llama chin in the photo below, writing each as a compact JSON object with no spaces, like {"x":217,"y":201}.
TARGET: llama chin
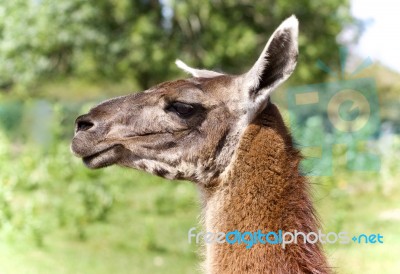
{"x":223,"y":133}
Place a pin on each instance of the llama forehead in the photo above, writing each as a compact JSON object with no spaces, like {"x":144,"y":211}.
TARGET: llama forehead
{"x":209,"y":92}
{"x":224,"y":89}
{"x":198,"y":88}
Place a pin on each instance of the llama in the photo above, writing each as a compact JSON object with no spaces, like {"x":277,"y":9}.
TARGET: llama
{"x":223,"y":133}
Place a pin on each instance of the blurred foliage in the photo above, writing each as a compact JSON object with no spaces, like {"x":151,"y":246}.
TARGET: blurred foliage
{"x":229,"y":35}
{"x":139,"y":40}
{"x":56,"y":216}
{"x":388,"y":85}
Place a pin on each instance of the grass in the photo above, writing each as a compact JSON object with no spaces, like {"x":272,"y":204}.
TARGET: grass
{"x":357,"y":214}
{"x":146,"y":232}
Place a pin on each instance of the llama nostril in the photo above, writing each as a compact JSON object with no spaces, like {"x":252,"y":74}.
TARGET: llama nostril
{"x":83,"y":125}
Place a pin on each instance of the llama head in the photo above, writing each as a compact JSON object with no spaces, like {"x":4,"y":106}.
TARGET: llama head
{"x":186,"y":129}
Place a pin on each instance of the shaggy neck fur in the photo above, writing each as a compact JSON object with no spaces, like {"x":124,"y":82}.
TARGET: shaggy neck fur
{"x":263,"y":190}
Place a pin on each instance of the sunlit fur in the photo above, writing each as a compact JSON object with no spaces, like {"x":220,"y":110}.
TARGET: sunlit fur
{"x":233,"y":145}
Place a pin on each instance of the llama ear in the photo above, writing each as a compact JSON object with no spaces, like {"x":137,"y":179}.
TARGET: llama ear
{"x":197,"y":72}
{"x":276,"y":62}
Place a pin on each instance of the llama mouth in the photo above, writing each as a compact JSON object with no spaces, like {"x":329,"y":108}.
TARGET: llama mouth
{"x":103,"y":158}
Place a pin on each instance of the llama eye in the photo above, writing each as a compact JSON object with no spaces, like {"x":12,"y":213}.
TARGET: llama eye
{"x":182,"y":109}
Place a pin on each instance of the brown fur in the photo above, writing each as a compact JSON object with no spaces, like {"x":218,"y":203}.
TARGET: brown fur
{"x":222,"y":133}
{"x":264,"y":190}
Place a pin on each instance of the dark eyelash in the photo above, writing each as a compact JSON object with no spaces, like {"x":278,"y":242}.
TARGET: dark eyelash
{"x":184,"y":110}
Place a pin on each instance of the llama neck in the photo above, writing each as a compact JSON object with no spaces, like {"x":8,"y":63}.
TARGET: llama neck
{"x":262,"y":191}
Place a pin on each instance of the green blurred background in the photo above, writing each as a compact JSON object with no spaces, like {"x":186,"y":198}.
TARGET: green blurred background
{"x":59,"y":58}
